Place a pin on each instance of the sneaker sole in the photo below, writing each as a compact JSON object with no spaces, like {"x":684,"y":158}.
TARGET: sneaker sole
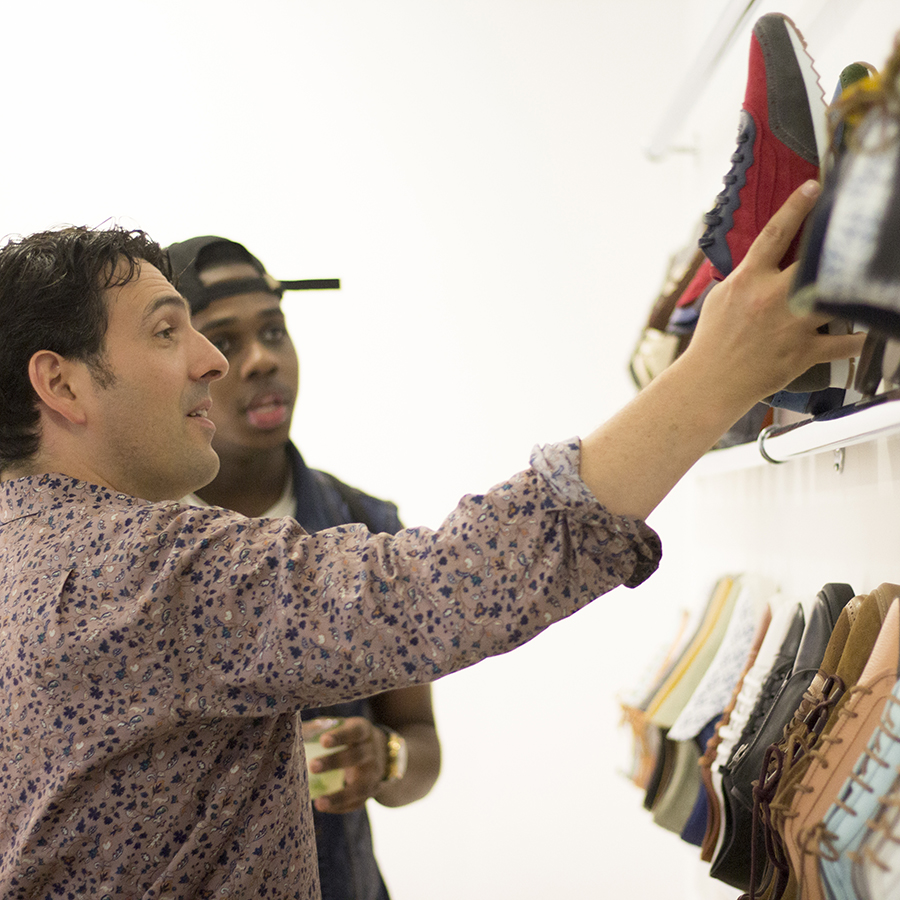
{"x":815,"y":95}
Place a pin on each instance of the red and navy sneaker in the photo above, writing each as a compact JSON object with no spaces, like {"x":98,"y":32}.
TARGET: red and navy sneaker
{"x":684,"y":317}
{"x":782,"y":134}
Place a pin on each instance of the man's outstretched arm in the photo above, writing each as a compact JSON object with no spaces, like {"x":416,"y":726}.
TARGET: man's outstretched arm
{"x":747,"y":345}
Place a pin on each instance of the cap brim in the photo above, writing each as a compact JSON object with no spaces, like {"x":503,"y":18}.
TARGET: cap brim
{"x":312,"y":284}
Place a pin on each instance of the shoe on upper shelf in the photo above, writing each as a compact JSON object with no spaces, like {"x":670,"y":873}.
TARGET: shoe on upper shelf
{"x":851,"y":264}
{"x":782,"y":139}
{"x":782,"y":135}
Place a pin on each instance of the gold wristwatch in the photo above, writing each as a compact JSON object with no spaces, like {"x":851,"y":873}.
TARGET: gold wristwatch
{"x":397,"y":755}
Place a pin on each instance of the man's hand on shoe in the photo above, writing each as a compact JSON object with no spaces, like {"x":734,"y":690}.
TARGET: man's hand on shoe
{"x":746,"y":337}
{"x":747,"y":345}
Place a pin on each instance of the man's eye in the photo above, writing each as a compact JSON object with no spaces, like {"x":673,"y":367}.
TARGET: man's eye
{"x":166,"y":333}
{"x":274,"y":334}
{"x":223,"y":344}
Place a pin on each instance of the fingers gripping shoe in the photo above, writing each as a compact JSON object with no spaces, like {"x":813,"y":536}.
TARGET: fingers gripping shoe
{"x":680,"y":328}
{"x":781,"y":137}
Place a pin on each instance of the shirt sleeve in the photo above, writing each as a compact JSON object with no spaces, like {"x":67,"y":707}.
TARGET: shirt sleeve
{"x":272,"y":616}
{"x":209,"y":612}
{"x":559,"y":465}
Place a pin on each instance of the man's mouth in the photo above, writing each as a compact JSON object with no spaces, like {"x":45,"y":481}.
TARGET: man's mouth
{"x":202,"y":413}
{"x":268,"y":411}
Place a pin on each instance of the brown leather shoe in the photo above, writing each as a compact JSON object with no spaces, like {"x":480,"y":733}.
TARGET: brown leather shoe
{"x":853,"y":640}
{"x":836,"y":753}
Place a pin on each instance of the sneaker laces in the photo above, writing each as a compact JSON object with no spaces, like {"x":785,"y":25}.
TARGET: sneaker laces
{"x":819,"y":841}
{"x":881,"y":826}
{"x":802,"y":747}
{"x":887,"y":720}
{"x":832,"y":691}
{"x":737,"y":171}
{"x":810,"y":708}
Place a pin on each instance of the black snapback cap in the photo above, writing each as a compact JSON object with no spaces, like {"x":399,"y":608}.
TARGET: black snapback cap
{"x":189,"y":257}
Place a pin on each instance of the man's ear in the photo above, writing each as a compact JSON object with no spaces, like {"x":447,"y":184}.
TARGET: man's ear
{"x":57,"y":381}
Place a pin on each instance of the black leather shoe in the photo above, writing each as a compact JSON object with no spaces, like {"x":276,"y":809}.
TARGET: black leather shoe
{"x":732,"y":865}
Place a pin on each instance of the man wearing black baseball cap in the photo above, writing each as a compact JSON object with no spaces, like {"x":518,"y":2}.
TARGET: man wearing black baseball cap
{"x":392,"y":752}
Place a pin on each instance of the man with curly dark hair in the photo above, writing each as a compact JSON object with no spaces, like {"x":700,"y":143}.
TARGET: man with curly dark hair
{"x":154,"y":656}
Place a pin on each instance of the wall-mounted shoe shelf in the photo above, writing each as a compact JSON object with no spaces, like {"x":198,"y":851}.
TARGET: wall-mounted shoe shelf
{"x":876,"y":419}
{"x":824,"y":18}
{"x":720,"y":39}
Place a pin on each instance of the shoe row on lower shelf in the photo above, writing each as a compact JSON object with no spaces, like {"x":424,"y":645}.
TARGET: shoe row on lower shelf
{"x":769,"y":737}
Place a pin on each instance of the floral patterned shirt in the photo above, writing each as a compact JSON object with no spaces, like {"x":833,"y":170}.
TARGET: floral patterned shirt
{"x":153,"y":657}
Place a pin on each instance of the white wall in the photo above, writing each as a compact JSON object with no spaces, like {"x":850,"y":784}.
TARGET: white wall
{"x":474,"y":173}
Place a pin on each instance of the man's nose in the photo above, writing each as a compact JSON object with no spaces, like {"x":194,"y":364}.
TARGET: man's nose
{"x":211,"y":362}
{"x":259,"y":360}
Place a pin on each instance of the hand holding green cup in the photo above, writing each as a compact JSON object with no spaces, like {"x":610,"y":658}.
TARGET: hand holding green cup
{"x":321,"y":784}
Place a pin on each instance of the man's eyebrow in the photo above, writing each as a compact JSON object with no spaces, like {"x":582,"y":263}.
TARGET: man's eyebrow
{"x":159,"y":303}
{"x":274,"y":312}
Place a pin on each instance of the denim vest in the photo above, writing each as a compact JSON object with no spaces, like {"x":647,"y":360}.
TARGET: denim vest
{"x":347,"y":866}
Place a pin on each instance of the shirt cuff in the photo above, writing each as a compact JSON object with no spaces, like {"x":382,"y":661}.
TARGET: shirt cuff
{"x":559,"y":465}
